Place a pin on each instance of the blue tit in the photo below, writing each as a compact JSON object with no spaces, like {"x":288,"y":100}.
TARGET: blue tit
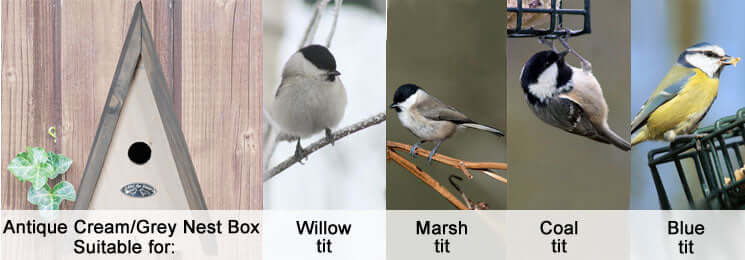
{"x":683,"y":97}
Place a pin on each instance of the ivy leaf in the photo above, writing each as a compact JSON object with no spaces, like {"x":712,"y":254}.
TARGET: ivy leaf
{"x":43,"y":198}
{"x":21,"y":167}
{"x":60,"y":163}
{"x":38,"y":155}
{"x":50,"y":199}
{"x":64,"y":190}
{"x":32,"y":166}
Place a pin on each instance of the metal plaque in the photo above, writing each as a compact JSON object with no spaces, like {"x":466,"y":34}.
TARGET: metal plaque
{"x":138,"y":190}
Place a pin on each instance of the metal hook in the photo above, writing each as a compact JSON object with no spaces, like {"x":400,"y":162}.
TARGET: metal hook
{"x":452,"y":182}
{"x":52,"y":131}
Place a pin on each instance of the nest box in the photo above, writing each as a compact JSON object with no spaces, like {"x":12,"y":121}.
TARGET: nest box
{"x":139,"y":159}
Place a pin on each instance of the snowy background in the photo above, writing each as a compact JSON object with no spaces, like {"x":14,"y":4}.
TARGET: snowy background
{"x":351,"y":174}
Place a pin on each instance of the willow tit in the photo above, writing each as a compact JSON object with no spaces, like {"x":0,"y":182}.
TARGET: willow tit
{"x":428,"y":118}
{"x":568,"y":98}
{"x":311,"y":97}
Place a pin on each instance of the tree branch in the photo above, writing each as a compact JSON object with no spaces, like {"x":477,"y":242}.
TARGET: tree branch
{"x":486,"y":168}
{"x":339,"y":134}
{"x":337,"y":10}
{"x":464,"y":166}
{"x":409,"y":166}
{"x":310,"y":32}
{"x":470,"y":203}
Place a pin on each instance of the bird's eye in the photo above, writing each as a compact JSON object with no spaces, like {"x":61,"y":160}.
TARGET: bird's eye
{"x":710,"y":54}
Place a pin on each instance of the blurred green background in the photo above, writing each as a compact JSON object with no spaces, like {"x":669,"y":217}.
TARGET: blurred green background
{"x":455,"y":50}
{"x":552,"y":169}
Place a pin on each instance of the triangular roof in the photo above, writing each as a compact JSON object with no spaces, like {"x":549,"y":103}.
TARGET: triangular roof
{"x":139,"y":47}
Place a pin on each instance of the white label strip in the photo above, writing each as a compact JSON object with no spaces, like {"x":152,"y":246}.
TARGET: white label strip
{"x":446,"y":235}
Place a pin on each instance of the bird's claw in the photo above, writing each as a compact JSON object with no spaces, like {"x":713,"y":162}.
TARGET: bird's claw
{"x":413,"y":149}
{"x":586,"y":65}
{"x":432,"y":153}
{"x":300,"y":153}
{"x":429,"y":158}
{"x":684,"y":139}
{"x":548,"y":42}
{"x":329,"y":136}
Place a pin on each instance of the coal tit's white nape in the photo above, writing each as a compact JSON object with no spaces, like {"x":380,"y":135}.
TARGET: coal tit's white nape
{"x":707,"y":57}
{"x":545,"y":75}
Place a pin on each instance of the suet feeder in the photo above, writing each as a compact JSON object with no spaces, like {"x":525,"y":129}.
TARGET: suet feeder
{"x":716,"y":157}
{"x":139,"y":158}
{"x":556,"y":28}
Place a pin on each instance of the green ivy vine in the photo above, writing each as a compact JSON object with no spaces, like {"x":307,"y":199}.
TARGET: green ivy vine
{"x":38,"y":166}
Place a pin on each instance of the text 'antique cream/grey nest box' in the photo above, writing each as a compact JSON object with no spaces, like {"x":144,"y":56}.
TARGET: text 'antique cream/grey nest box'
{"x":139,"y":159}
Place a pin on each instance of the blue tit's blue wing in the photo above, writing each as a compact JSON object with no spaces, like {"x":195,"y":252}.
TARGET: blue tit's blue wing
{"x":667,"y":90}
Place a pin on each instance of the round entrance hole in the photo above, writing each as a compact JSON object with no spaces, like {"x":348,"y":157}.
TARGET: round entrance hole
{"x":139,"y":153}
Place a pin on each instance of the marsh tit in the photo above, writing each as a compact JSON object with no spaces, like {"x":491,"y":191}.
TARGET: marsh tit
{"x":429,"y":119}
{"x":568,"y":98}
{"x":685,"y":94}
{"x":311,"y":97}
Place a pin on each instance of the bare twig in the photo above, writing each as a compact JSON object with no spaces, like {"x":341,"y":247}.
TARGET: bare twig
{"x":463,"y":166}
{"x":495,"y":176}
{"x":270,"y":142}
{"x":310,"y":32}
{"x":463,"y":195}
{"x":409,"y":166}
{"x":470,"y":203}
{"x":337,"y":7}
{"x":339,"y":134}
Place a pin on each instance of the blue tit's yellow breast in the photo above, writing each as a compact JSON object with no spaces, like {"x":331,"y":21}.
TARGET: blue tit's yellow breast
{"x":684,"y":111}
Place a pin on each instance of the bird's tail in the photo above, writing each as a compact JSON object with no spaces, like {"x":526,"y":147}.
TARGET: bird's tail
{"x":616,"y":140}
{"x":642,"y":136}
{"x":483,"y":128}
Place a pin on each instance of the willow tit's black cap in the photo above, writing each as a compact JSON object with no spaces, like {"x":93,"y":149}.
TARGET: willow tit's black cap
{"x":402,"y":93}
{"x":320,"y":56}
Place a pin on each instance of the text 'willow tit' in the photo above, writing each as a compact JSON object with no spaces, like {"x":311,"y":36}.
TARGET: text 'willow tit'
{"x":310,"y":97}
{"x":568,"y":98}
{"x":428,"y":118}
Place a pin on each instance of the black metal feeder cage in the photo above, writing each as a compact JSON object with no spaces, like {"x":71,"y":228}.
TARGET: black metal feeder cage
{"x":715,"y":157}
{"x":556,"y":27}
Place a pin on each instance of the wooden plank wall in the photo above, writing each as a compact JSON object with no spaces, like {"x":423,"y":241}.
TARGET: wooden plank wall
{"x":59,"y":58}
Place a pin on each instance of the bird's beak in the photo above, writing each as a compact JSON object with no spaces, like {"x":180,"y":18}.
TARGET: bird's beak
{"x":334,"y":73}
{"x":729,"y":60}
{"x":394,"y":106}
{"x":563,"y":54}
